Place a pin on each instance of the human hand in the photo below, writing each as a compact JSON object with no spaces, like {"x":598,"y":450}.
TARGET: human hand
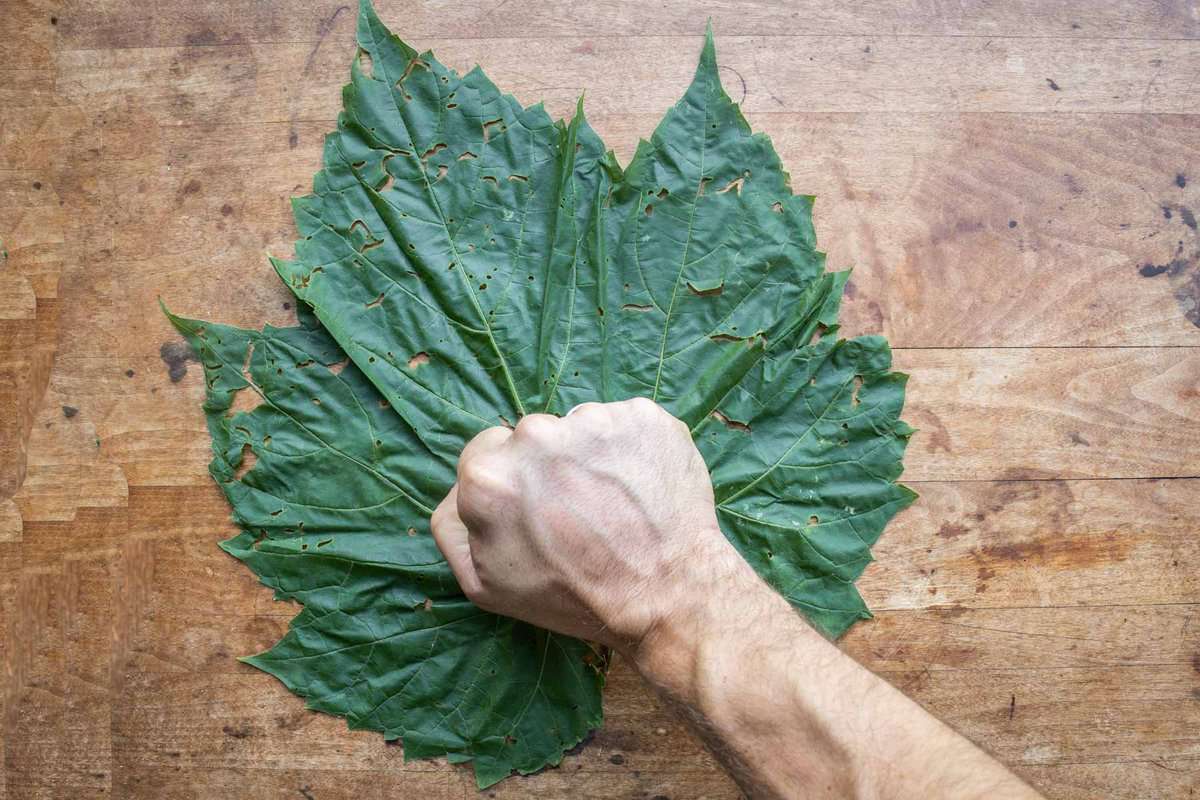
{"x":594,"y":524}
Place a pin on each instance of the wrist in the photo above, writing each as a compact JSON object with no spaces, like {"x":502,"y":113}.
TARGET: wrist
{"x":714,"y":594}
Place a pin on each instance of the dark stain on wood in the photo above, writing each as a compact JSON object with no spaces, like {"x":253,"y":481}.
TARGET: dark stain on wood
{"x":176,"y":356}
{"x":584,"y":742}
{"x":951,"y":530}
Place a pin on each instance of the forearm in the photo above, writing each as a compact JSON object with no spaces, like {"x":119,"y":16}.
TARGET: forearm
{"x":790,"y":715}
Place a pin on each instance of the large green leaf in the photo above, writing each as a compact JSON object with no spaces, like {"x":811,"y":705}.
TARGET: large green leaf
{"x":477,"y":261}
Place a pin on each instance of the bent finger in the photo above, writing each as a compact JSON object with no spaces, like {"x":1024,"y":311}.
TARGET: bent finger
{"x":454,"y":540}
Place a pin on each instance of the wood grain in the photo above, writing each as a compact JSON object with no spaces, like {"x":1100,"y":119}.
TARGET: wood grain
{"x":108,"y":24}
{"x":1014,"y":184}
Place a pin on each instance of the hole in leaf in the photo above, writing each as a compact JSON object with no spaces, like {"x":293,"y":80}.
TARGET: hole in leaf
{"x":324,"y":542}
{"x":814,"y":520}
{"x":316,"y":401}
{"x":308,"y":362}
{"x":451,"y":105}
{"x":467,"y":156}
{"x":441,"y":173}
{"x":735,"y":184}
{"x":267,"y":440}
{"x":704,"y":182}
{"x":246,"y":463}
{"x":412,"y":531}
{"x":487,"y":129}
{"x":378,"y":301}
{"x":413,"y":64}
{"x":858,"y":382}
{"x":712,"y":292}
{"x":337,"y":367}
{"x":490,"y":180}
{"x":777,"y":207}
{"x":433,"y":151}
{"x":276,"y":513}
{"x":365,"y":65}
{"x":418,"y":359}
{"x":732,"y":424}
{"x":384,"y":404}
{"x":371,"y":245}
{"x":428,"y":605}
{"x":636,"y":307}
{"x":244,"y":400}
{"x":519,"y":178}
{"x":649,"y":210}
{"x":662,"y":193}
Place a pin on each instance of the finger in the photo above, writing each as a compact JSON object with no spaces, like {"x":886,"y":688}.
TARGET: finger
{"x":453,"y":539}
{"x":485,"y":442}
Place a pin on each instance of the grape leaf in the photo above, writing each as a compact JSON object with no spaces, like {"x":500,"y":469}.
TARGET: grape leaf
{"x":465,"y":261}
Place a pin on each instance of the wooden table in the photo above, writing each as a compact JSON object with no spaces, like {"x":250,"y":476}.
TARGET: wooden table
{"x":1013,"y":181}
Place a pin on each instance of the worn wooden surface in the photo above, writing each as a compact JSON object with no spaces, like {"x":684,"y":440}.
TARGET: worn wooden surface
{"x":1014,"y":183}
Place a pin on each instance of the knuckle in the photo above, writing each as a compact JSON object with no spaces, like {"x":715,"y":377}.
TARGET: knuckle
{"x":478,"y":474}
{"x":538,"y":428}
{"x":587,"y":410}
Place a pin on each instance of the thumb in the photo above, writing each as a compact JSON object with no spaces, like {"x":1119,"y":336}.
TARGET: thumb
{"x":452,"y":538}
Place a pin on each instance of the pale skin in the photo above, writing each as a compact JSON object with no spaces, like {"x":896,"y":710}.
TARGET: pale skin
{"x":601,"y":525}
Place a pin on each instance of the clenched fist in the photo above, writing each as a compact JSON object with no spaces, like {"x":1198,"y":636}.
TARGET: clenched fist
{"x":591,"y":524}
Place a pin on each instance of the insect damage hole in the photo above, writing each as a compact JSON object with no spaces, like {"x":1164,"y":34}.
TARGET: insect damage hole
{"x":378,"y":301}
{"x":441,"y":172}
{"x":246,"y":463}
{"x":636,"y":307}
{"x":413,"y":65}
{"x":732,"y":424}
{"x":365,"y":64}
{"x":814,"y":520}
{"x":467,"y":155}
{"x":385,"y":183}
{"x":705,"y":290}
{"x":858,"y":383}
{"x":733,"y":185}
{"x":433,"y":151}
{"x":489,"y":125}
{"x":418,"y":359}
